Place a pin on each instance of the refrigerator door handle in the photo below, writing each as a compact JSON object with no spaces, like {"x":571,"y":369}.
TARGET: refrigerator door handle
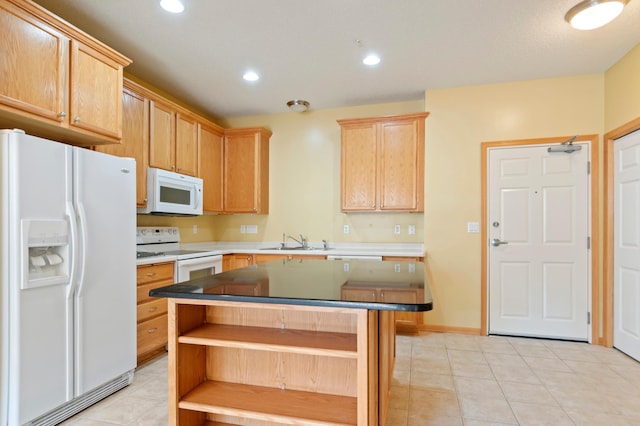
{"x":73,"y":248}
{"x":82,"y":241}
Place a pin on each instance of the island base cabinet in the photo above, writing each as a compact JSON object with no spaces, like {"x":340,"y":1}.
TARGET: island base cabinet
{"x":235,"y":363}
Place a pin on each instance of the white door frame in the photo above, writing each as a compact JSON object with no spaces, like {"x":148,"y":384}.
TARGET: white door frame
{"x":595,"y":299}
{"x":608,"y":265}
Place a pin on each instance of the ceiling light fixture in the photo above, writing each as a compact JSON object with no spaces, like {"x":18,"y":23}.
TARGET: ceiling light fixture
{"x":371,"y":60}
{"x":591,"y":14}
{"x":251,"y":76}
{"x":298,"y":105}
{"x":173,"y":6}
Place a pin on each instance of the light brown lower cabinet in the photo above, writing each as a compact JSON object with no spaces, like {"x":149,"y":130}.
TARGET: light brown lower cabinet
{"x":259,"y":363}
{"x":152,"y":312}
{"x":406,"y":322}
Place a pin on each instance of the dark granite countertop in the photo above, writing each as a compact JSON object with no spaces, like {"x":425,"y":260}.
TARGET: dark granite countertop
{"x":395,"y":285}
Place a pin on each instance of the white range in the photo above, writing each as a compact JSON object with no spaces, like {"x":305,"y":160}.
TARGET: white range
{"x":158,"y":241}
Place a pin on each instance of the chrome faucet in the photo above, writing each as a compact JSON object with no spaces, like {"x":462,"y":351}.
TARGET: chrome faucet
{"x":302,"y":241}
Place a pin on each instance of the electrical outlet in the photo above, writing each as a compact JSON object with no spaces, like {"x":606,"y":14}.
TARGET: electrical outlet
{"x":345,"y":229}
{"x":195,"y":229}
{"x":243,"y":229}
{"x":411,"y":230}
{"x":396,"y":229}
{"x":252,"y":229}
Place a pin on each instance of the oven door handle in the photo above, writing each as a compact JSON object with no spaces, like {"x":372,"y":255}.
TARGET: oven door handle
{"x":204,"y":260}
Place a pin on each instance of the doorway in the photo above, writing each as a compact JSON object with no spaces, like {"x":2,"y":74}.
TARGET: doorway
{"x":537,"y":241}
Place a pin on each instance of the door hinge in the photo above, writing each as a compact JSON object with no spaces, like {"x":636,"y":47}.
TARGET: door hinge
{"x":588,"y":318}
{"x":588,"y":243}
{"x":588,"y":167}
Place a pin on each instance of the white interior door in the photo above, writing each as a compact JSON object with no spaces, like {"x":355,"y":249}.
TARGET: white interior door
{"x":626,"y":276}
{"x":538,"y":254}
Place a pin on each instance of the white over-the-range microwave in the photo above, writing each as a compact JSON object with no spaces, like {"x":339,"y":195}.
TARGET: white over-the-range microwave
{"x":170,"y":193}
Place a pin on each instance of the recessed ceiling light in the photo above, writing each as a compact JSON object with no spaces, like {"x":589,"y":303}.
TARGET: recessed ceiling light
{"x":591,"y":14}
{"x":371,"y":60}
{"x":173,"y":6}
{"x":251,"y":76}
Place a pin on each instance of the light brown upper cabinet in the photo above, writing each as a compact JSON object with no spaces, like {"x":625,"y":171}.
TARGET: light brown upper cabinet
{"x":246,"y":170}
{"x":57,"y":82}
{"x":173,"y":139}
{"x":135,"y":136}
{"x":382,"y":163}
{"x":211,"y":166}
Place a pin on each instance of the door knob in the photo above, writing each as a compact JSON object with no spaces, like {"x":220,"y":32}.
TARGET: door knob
{"x":496,"y":242}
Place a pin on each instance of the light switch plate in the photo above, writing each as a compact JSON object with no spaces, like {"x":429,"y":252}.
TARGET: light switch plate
{"x":345,"y":229}
{"x":473,"y":227}
{"x":243,"y":229}
{"x":396,"y":229}
{"x":411,"y":230}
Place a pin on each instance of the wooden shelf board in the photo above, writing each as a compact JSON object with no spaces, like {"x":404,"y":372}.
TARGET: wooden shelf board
{"x":271,"y":404}
{"x":308,"y":342}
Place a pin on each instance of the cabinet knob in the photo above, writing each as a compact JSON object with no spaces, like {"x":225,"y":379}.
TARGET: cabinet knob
{"x":76,"y":120}
{"x":373,"y":206}
{"x":62,"y":114}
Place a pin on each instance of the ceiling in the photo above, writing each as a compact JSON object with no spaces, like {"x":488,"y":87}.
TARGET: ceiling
{"x":312,"y":49}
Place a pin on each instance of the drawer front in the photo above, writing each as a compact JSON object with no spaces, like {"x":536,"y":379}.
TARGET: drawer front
{"x":155,"y":272}
{"x":142,"y":291}
{"x":152,"y":334}
{"x":151,"y":309}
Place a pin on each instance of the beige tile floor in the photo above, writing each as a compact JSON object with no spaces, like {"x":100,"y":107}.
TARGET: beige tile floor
{"x":455,"y":379}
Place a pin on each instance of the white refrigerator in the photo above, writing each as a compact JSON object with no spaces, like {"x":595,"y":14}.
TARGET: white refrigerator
{"x":67,"y":303}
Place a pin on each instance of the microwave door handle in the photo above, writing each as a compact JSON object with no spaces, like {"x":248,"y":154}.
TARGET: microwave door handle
{"x":198,"y":196}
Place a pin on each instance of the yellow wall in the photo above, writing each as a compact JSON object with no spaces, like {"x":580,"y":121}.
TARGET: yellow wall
{"x":460,"y":120}
{"x":622,"y":91}
{"x":304,"y":185}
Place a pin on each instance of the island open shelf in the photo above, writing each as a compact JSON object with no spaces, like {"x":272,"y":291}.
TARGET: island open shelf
{"x":274,"y":357}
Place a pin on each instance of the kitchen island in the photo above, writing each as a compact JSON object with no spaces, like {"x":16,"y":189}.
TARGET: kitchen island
{"x":289,"y":342}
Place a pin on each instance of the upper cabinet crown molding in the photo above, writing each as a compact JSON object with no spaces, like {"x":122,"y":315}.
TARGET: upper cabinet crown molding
{"x":57,"y":81}
{"x":382,"y":163}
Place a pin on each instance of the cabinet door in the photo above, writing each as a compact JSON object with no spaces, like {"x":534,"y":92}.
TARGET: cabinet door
{"x":240,"y":178}
{"x":135,"y":139}
{"x":186,"y":145}
{"x":358,"y":167}
{"x":242,"y":260}
{"x":96,"y":90}
{"x":33,"y":66}
{"x":162,"y":131}
{"x":399,"y":165}
{"x":211,"y":168}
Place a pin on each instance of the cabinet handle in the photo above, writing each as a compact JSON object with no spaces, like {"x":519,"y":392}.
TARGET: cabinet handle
{"x":76,"y":120}
{"x":373,"y":206}
{"x":152,"y":309}
{"x":152,"y":330}
{"x":151,"y":274}
{"x":62,"y":114}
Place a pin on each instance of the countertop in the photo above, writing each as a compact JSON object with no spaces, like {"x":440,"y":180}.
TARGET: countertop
{"x":330,"y":283}
{"x":335,"y":249}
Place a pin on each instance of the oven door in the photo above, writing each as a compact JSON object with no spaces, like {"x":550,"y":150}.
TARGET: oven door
{"x":190,"y":269}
